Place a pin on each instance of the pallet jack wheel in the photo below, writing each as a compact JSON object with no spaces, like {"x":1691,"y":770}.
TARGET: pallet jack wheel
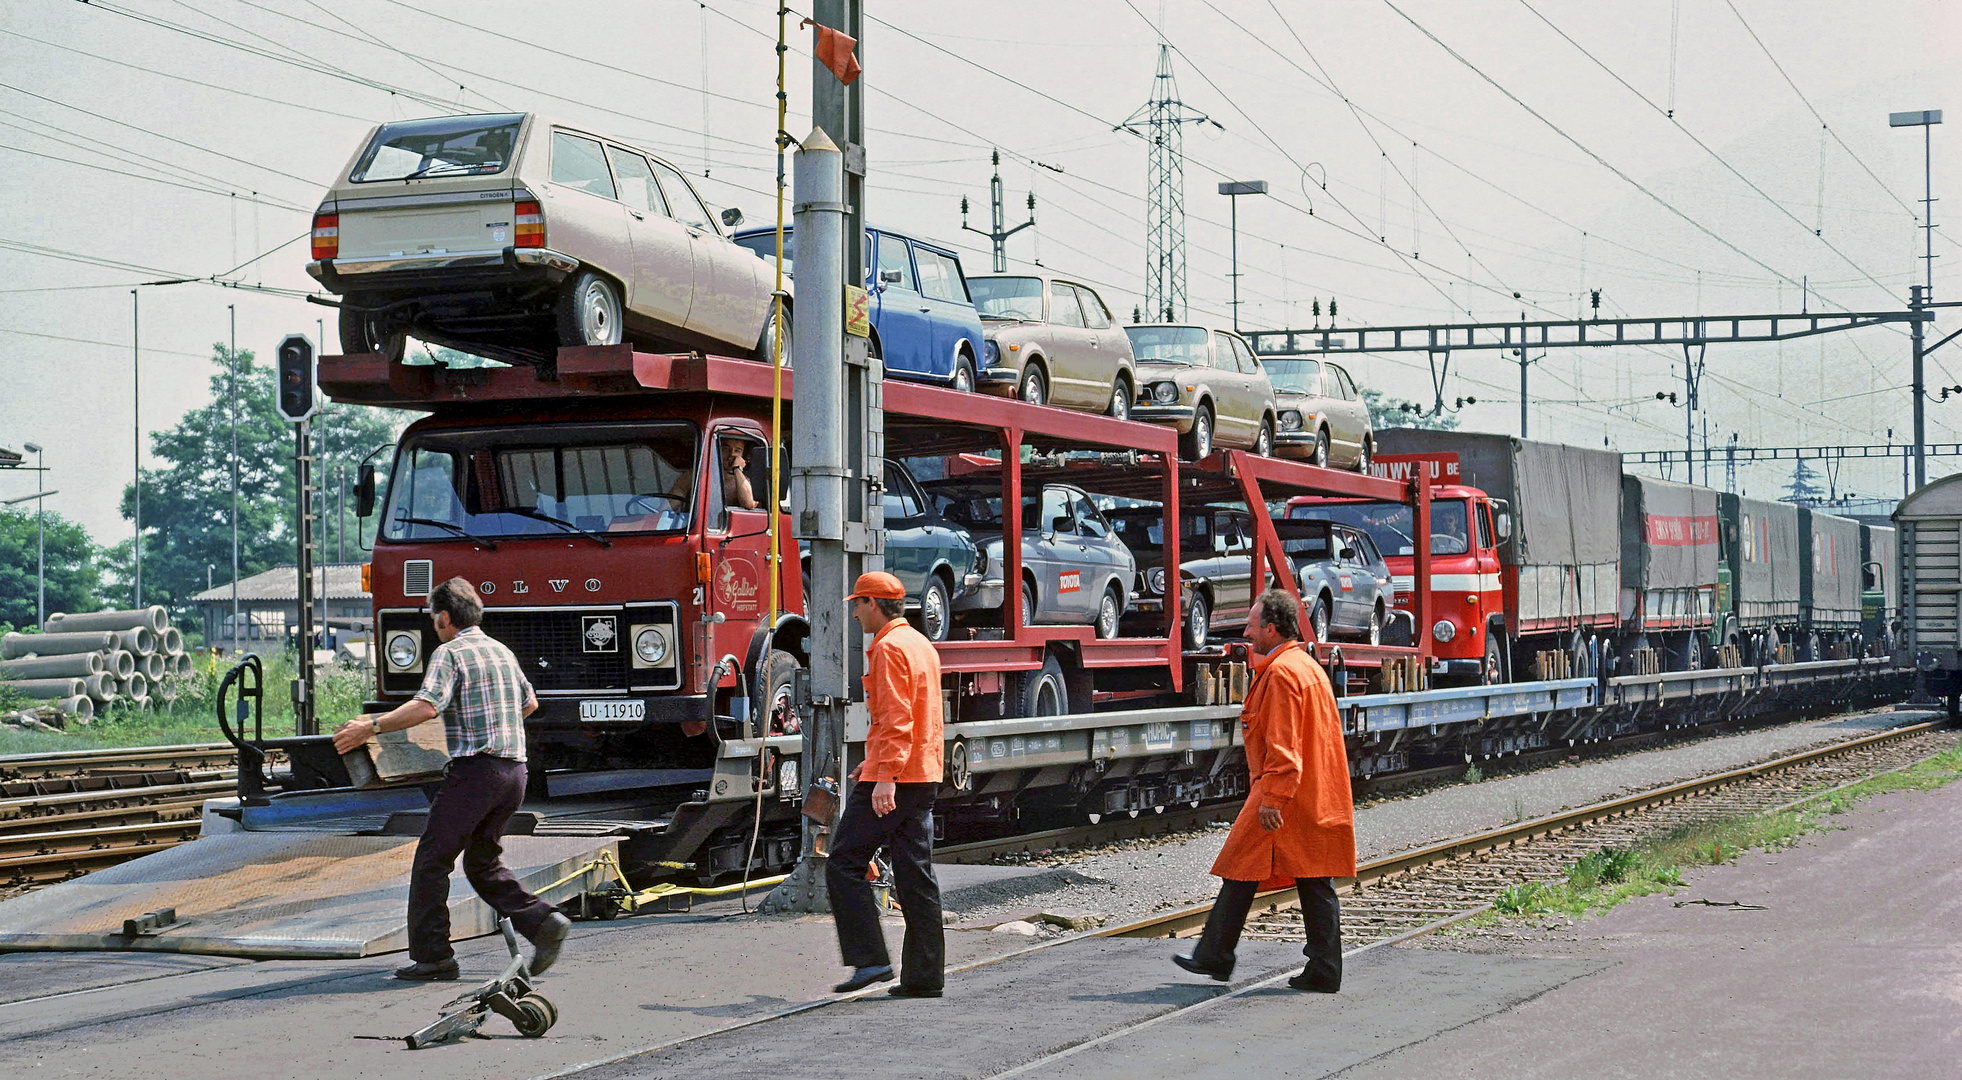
{"x":538,"y":1016}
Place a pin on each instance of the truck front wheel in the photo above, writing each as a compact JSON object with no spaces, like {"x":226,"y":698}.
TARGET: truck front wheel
{"x":1492,"y":671}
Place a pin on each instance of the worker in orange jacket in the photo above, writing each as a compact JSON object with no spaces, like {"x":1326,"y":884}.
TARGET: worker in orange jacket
{"x":891,"y":803}
{"x":1299,"y":821}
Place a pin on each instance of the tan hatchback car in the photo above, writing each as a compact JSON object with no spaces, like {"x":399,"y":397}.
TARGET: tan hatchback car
{"x":1323,"y":416}
{"x":509,"y":236}
{"x":1053,"y":342}
{"x":1207,"y":384}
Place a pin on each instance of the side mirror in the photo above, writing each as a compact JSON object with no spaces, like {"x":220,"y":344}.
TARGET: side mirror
{"x":1347,"y":553}
{"x":889,"y":277}
{"x":1503,"y":523}
{"x":364,"y":492}
{"x":732,"y":217}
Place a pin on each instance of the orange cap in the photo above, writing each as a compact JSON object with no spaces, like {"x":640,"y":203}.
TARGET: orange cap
{"x":877,"y":585}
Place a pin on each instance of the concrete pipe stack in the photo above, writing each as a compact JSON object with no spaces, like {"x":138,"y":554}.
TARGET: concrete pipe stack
{"x":83,"y":662}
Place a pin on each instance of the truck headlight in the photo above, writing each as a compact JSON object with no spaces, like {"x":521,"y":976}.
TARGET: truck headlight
{"x":404,"y":650}
{"x":1164,"y":393}
{"x":651,"y":646}
{"x":1444,"y":630}
{"x":1291,"y":420}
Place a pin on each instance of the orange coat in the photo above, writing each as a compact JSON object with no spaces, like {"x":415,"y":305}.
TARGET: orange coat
{"x":1296,"y":762}
{"x":902,"y":691}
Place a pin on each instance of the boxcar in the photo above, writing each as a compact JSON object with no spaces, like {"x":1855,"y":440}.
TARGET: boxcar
{"x":1930,"y":524}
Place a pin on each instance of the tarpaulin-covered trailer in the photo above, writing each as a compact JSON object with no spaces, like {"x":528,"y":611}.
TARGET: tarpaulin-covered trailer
{"x":1670,"y":555}
{"x":1562,"y":559}
{"x":1829,"y":572}
{"x":1761,"y":543}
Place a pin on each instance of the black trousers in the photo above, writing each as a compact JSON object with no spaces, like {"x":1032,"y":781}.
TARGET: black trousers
{"x":1319,"y":910}
{"x":479,"y":794}
{"x":907,"y":835}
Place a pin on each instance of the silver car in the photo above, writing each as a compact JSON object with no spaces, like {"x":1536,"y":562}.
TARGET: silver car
{"x":1074,"y":568}
{"x":1053,"y":342}
{"x":1206,"y":384}
{"x":510,"y":236}
{"x":1345,"y":584}
{"x":1323,"y":416}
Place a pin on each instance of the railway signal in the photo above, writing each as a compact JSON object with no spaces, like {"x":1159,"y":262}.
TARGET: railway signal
{"x":295,"y":368}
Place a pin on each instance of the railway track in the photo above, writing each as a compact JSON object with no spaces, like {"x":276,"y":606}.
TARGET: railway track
{"x":1417,"y":889}
{"x":66,"y":814}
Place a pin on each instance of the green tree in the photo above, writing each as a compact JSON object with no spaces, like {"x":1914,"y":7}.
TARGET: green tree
{"x":187,"y":505}
{"x":73,"y":564}
{"x":1389,"y":412}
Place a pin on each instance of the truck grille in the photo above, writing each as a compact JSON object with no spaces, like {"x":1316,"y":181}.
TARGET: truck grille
{"x":567,"y":650}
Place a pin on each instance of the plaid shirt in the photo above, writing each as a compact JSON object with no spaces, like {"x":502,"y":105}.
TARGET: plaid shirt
{"x":477,"y":686}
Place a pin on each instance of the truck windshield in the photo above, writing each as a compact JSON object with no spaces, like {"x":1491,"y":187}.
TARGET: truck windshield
{"x":1292,"y":376}
{"x":1390,"y":524}
{"x":512,"y":482}
{"x":444,"y":146}
{"x":1007,"y":297}
{"x":1169,"y":344}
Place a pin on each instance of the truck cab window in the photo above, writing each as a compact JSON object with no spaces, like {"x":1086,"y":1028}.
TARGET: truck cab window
{"x":1484,"y":526}
{"x":456,"y":485}
{"x":742,"y":476}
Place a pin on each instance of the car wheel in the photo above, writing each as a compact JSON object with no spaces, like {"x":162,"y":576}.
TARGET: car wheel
{"x":1264,"y":442}
{"x":1034,"y":388}
{"x":1318,"y":617}
{"x":964,"y":375}
{"x":1120,"y":399}
{"x":1107,"y":614}
{"x":589,"y":311}
{"x":1197,"y":444}
{"x":1362,"y":459}
{"x":1376,"y":624}
{"x":1028,"y":604}
{"x":1042,"y":692}
{"x":369,"y":332}
{"x":1198,"y":621}
{"x":1321,"y":448}
{"x":935,"y":609}
{"x":772,"y":327}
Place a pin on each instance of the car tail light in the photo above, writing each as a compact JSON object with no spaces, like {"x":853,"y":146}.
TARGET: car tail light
{"x":326,"y":236}
{"x":529,"y":219}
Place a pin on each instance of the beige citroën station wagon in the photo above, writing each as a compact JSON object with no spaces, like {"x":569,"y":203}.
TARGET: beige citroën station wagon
{"x":509,"y":236}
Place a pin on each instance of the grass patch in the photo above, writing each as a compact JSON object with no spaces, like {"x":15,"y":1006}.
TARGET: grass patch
{"x":192,"y":718}
{"x":1605,"y":878}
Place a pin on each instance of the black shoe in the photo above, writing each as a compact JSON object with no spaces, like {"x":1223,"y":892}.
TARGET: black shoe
{"x":545,"y":947}
{"x":864,"y":977}
{"x":429,"y":971}
{"x":1312,"y":985}
{"x":1220,"y":973}
{"x":903,"y":990}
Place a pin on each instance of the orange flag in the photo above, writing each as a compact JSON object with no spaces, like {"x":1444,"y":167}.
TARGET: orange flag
{"x":834,"y":50}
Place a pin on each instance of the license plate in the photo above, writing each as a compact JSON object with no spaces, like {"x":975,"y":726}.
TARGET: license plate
{"x":614,"y":709}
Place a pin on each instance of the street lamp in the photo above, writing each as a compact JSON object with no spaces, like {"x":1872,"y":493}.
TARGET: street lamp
{"x":1234,"y":189}
{"x":1919,"y":296}
{"x":40,"y":495}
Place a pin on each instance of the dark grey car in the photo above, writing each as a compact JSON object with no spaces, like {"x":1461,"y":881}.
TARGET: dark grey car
{"x":1344,"y":582}
{"x":1074,"y":570}
{"x":1215,"y":565}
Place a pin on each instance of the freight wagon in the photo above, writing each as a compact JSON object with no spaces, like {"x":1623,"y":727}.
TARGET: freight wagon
{"x":1930,"y":524}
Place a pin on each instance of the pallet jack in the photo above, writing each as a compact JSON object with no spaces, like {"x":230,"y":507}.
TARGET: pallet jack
{"x":510,"y":995}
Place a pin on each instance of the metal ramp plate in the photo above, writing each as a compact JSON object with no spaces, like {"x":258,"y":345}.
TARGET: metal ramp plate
{"x":275,"y":895}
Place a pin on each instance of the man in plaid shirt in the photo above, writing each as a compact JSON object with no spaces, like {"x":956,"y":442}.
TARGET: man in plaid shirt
{"x":475,"y":684}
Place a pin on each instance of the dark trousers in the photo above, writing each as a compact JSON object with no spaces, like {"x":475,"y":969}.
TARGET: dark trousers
{"x":1319,"y":910}
{"x":479,"y":794}
{"x":907,"y":835}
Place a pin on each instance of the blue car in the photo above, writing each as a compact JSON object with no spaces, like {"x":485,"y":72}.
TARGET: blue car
{"x":924,"y":325}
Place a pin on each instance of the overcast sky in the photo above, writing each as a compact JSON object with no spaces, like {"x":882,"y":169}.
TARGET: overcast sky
{"x":148,"y":139}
